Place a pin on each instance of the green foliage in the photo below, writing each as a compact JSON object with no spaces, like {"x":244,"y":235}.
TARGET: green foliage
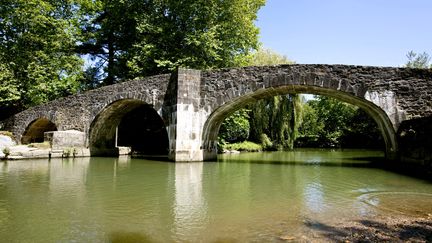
{"x":266,"y":56}
{"x":416,"y":60}
{"x":7,"y":133}
{"x":311,"y":128}
{"x":266,"y":143}
{"x":332,"y":123}
{"x":37,"y":59}
{"x":6,"y":151}
{"x":159,"y":36}
{"x":235,"y":127}
{"x":278,"y":118}
{"x":275,"y":120}
{"x":243,"y":146}
{"x":43,"y":145}
{"x":201,"y":34}
{"x":334,"y":117}
{"x":361,"y":132}
{"x":108,"y":34}
{"x":69,"y":152}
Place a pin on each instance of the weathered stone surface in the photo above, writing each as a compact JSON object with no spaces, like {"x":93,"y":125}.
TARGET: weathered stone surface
{"x":415,"y":142}
{"x":66,"y":139}
{"x":77,"y":112}
{"x":194,"y":103}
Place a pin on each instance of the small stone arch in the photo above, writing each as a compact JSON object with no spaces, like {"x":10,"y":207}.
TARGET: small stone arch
{"x":104,"y":127}
{"x":212,"y":124}
{"x":34,"y":132}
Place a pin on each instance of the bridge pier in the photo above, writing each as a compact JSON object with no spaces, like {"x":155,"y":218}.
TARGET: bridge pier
{"x":186,"y":120}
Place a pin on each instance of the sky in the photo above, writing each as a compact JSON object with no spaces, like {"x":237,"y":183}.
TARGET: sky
{"x":356,"y":32}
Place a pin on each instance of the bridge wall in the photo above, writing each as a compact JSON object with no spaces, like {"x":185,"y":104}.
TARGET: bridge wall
{"x":389,"y":95}
{"x":77,"y":112}
{"x":194,"y":103}
{"x":402,"y":93}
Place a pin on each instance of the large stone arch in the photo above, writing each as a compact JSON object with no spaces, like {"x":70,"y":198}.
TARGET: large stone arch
{"x":215,"y":119}
{"x":34,"y":132}
{"x":102,"y":130}
{"x":388,"y":95}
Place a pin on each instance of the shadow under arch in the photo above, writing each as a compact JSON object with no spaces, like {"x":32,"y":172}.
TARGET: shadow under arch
{"x":214,"y":121}
{"x":124,"y":121}
{"x":34,"y":133}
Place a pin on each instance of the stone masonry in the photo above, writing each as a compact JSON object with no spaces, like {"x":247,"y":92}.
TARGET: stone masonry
{"x":194,"y":103}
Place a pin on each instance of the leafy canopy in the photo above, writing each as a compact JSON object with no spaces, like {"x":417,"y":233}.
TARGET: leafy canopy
{"x":37,"y":59}
{"x":133,"y":38}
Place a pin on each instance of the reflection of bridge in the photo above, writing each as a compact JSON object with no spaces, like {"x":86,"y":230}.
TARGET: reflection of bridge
{"x":191,"y":104}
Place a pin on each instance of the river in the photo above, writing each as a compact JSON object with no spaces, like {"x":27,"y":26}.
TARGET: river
{"x":257,"y":197}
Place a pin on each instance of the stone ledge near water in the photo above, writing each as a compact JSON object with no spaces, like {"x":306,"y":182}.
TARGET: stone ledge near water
{"x":19,"y":152}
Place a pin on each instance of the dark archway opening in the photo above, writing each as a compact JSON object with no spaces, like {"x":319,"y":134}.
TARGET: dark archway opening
{"x":143,"y":131}
{"x":35,"y":131}
{"x":128,"y":123}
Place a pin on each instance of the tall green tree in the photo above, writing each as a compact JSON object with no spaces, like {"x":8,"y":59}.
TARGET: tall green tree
{"x":276,"y":118}
{"x":273,"y":121}
{"x":108,"y":34}
{"x":131,"y":38}
{"x":37,"y":59}
{"x":200,"y":34}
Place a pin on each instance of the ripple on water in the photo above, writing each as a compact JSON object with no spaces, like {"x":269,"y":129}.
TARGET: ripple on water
{"x":407,"y":203}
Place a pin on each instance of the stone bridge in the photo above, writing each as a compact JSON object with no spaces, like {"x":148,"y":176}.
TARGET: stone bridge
{"x":188,"y":107}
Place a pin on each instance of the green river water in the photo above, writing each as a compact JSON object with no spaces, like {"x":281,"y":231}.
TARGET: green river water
{"x":256,"y":197}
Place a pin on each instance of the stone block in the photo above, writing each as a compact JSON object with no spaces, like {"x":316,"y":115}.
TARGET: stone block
{"x":65,"y":139}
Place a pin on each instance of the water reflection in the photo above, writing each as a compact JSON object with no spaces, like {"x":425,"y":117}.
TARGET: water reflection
{"x":189,"y":206}
{"x":314,"y":197}
{"x":242,"y":198}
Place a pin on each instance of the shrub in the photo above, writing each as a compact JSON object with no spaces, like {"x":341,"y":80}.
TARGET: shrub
{"x":6,"y":151}
{"x":235,"y":128}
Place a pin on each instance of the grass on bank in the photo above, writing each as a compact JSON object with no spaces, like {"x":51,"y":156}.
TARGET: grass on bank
{"x":6,"y":133}
{"x":245,"y":146}
{"x":43,"y":145}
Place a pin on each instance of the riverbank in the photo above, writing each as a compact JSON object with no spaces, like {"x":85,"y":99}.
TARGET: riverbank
{"x":245,"y":146}
{"x":399,"y":228}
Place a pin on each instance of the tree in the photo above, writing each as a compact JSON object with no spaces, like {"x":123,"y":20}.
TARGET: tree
{"x":37,"y":59}
{"x":332,"y":123}
{"x":278,"y":117}
{"x":236,"y":127}
{"x":265,"y":56}
{"x":274,"y":121}
{"x":109,"y":33}
{"x":133,"y":38}
{"x":311,"y":128}
{"x":418,"y":60}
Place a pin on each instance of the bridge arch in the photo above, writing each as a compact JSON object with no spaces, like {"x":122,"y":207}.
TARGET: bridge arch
{"x":105,"y":127}
{"x":34,"y":132}
{"x":215,"y":119}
